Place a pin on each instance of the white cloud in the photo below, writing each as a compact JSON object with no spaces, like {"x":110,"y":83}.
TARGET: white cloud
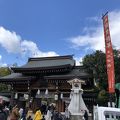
{"x":13,"y":43}
{"x":78,"y":61}
{"x":9,"y":40}
{"x":1,"y":63}
{"x":31,"y":47}
{"x":94,"y":39}
{"x":0,"y":57}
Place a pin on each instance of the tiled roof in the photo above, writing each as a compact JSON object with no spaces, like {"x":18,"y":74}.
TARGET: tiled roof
{"x":16,"y":76}
{"x":78,"y":71}
{"x":48,"y":62}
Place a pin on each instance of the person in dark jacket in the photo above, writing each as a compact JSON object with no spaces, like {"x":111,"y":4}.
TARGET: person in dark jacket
{"x":3,"y":115}
{"x":86,"y":115}
{"x":43,"y":109}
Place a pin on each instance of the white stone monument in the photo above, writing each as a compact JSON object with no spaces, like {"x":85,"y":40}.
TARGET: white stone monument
{"x":77,"y":105}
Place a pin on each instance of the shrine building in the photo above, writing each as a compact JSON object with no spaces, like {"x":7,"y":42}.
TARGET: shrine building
{"x":44,"y":79}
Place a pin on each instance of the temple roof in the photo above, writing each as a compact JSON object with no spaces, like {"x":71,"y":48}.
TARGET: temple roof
{"x":16,"y":77}
{"x":46,"y":63}
{"x":58,"y":67}
{"x":78,"y":71}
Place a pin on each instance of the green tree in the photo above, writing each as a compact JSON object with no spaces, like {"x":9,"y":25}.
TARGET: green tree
{"x":3,"y":72}
{"x":117,"y":65}
{"x":103,"y":98}
{"x":95,"y":64}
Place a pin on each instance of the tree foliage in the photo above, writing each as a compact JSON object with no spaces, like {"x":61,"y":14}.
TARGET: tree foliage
{"x":103,"y":98}
{"x":117,"y":65}
{"x":3,"y":72}
{"x":95,"y":64}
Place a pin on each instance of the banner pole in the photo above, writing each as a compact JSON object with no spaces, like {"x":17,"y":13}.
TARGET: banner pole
{"x":109,"y":58}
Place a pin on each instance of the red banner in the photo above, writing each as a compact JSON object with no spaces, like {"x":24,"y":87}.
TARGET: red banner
{"x":109,"y":55}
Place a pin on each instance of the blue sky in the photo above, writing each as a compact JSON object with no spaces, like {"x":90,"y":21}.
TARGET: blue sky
{"x":39,"y":28}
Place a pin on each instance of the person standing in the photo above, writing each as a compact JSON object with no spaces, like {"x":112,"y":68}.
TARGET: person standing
{"x":21,"y":112}
{"x":3,"y":115}
{"x":38,"y":114}
{"x":30,"y":114}
{"x":67,"y":114}
{"x":14,"y":115}
{"x":86,"y":115}
{"x":49,"y":114}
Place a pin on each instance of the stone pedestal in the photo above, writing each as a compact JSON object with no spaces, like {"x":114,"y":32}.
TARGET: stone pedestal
{"x":76,"y":117}
{"x":79,"y":117}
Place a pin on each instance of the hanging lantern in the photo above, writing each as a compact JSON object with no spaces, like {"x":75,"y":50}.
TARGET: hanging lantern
{"x":16,"y":95}
{"x":46,"y":92}
{"x":61,"y":95}
{"x":38,"y":92}
{"x":9,"y":87}
{"x":26,"y":96}
{"x":56,"y":96}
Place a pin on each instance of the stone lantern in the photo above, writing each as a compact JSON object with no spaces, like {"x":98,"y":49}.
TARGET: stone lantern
{"x":77,"y":106}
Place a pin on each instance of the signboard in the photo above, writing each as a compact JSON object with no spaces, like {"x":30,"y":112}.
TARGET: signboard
{"x":109,"y":55}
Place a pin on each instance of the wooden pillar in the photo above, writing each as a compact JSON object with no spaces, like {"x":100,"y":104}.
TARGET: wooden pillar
{"x":12,"y":96}
{"x":62,"y":106}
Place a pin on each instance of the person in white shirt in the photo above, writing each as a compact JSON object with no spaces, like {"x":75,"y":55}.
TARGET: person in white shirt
{"x":49,"y":114}
{"x":67,"y":114}
{"x":21,"y":112}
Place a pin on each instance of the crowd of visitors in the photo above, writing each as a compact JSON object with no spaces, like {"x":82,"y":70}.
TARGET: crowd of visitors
{"x":42,"y":112}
